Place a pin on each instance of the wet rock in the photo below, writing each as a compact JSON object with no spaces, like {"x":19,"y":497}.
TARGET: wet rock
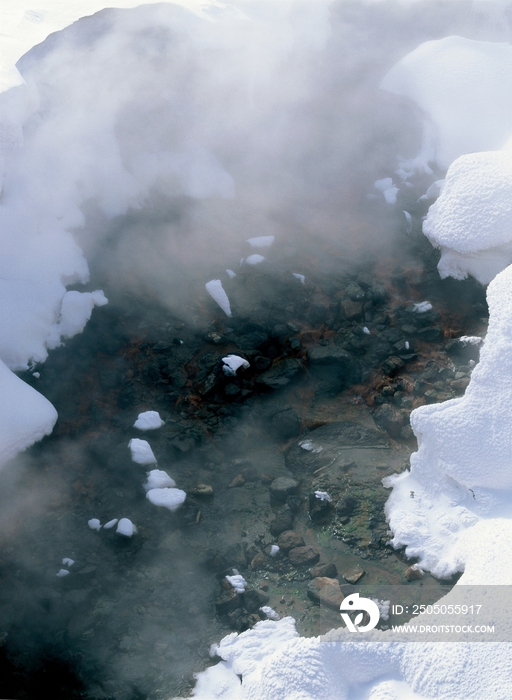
{"x":232,"y":390}
{"x":215,"y":338}
{"x":379,"y":294}
{"x":431,"y":371}
{"x":354,"y":574}
{"x":253,"y":600}
{"x":389,"y":418}
{"x":237,"y":481}
{"x":463,"y":350}
{"x":285,"y":423}
{"x":354,"y":292}
{"x":281,"y":374}
{"x":323,"y":570}
{"x":320,"y":509}
{"x":430,"y":335}
{"x":460,"y":384}
{"x":259,"y":561}
{"x":215,"y":561}
{"x":201,"y":490}
{"x":431,"y":396}
{"x":283,"y":521}
{"x":345,"y":506}
{"x":392,"y":365}
{"x":228,"y":600}
{"x":413,"y":573}
{"x":289,"y":540}
{"x":282,"y":487}
{"x":326,"y":591}
{"x":352,"y":310}
{"x":333,"y":366}
{"x":261,"y":363}
{"x":303,"y":556}
{"x":250,"y":473}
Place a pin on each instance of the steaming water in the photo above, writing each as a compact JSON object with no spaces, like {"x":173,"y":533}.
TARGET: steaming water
{"x":233,"y":129}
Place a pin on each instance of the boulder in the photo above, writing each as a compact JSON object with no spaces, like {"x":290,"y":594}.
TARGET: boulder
{"x":281,"y":374}
{"x":282,"y":487}
{"x":303,"y":556}
{"x":323,"y":570}
{"x":354,"y":574}
{"x":326,"y":591}
{"x":289,"y":540}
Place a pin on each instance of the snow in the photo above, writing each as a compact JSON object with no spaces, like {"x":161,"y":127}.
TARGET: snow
{"x":261,"y":241}
{"x":141,"y":451}
{"x":126,"y":527}
{"x":110,"y":524}
{"x":149,"y":420}
{"x":274,"y":549}
{"x":25,"y":415}
{"x":158,"y":479}
{"x":68,"y":562}
{"x":254,"y":259}
{"x":217,"y":293}
{"x":238,"y":582}
{"x":230,"y":273}
{"x":232,"y":363}
{"x":62,"y":572}
{"x":94,"y":524}
{"x":387,"y":188}
{"x":299,"y":277}
{"x":422,"y":307}
{"x":270,"y":612}
{"x":323,"y":496}
{"x":170,"y":498}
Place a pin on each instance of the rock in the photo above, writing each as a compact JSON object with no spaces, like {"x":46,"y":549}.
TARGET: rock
{"x":364,"y":280}
{"x":430,"y":335}
{"x":351,"y":309}
{"x":253,"y":600}
{"x":354,"y":574}
{"x":389,"y":418}
{"x":285,"y":423}
{"x":345,"y":506}
{"x":431,"y":371}
{"x":320,"y":509}
{"x":228,"y":600}
{"x":354,"y":292}
{"x":263,"y":586}
{"x":289,"y":540}
{"x":460,"y":384}
{"x":250,"y":473}
{"x":282,"y":487}
{"x":303,"y":556}
{"x":261,"y":363}
{"x":379,"y":294}
{"x":333,"y":366}
{"x":259,"y":561}
{"x":392,"y":365}
{"x":463,"y":350}
{"x":202,"y":490}
{"x":282,"y":521}
{"x":281,"y":374}
{"x":237,"y":481}
{"x":326,"y":591}
{"x":413,"y":573}
{"x":323,"y":570}
{"x":318,"y":313}
{"x":231,"y":390}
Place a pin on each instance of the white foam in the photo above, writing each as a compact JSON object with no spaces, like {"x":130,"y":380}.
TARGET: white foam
{"x":149,"y":420}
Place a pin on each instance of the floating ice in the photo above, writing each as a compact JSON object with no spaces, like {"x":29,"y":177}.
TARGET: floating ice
{"x":299,"y":277}
{"x":158,"y":479}
{"x":422,"y":307}
{"x":238,"y":582}
{"x":170,"y":498}
{"x":232,"y":363}
{"x":261,"y":241}
{"x":254,"y":259}
{"x":141,"y":451}
{"x":231,"y":274}
{"x":323,"y":496}
{"x":387,"y":188}
{"x":217,"y":293}
{"x":149,"y":420}
{"x":126,"y":527}
{"x":110,"y":524}
{"x":269,"y":612}
{"x":274,"y":549}
{"x":62,"y":572}
{"x":68,"y":562}
{"x":94,"y":524}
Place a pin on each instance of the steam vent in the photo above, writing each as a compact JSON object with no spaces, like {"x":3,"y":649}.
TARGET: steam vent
{"x":255,"y":332}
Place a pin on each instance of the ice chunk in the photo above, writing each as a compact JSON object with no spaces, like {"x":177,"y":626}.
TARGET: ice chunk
{"x":323,"y":496}
{"x":110,"y":524}
{"x":126,"y":527}
{"x":141,"y":451}
{"x":238,"y":582}
{"x":158,"y":479}
{"x":217,"y":293}
{"x":232,"y":363}
{"x":422,"y":307}
{"x":94,"y":524}
{"x":231,"y":274}
{"x":149,"y":420}
{"x":170,"y":498}
{"x":68,"y":562}
{"x":62,"y":572}
{"x":254,"y":259}
{"x":299,"y":277}
{"x":261,"y":241}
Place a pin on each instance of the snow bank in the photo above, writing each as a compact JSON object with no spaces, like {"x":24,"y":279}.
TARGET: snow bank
{"x":462,"y":88}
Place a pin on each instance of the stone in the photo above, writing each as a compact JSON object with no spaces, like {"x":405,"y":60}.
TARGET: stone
{"x":237,"y":481}
{"x":228,"y":600}
{"x":392,"y":365}
{"x":430,"y":335}
{"x":413,"y":573}
{"x":202,"y":490}
{"x":463,"y":350}
{"x":364,"y":280}
{"x":320,"y":509}
{"x":354,"y":574}
{"x":354,"y":292}
{"x":231,"y":390}
{"x":253,"y":600}
{"x":250,"y":473}
{"x":389,"y":418}
{"x":289,"y":540}
{"x":282,"y":487}
{"x":326,"y":591}
{"x":259,"y":562}
{"x":345,"y":506}
{"x":281,"y":374}
{"x":323,"y":570}
{"x":333,"y":366}
{"x":303,"y":556}
{"x":351,"y":309}
{"x":282,"y":521}
{"x":285,"y":423}
{"x":263,"y":586}
{"x":460,"y":384}
{"x":379,"y":294}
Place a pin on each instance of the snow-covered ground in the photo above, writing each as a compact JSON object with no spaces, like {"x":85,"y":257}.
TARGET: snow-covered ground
{"x":459,"y":519}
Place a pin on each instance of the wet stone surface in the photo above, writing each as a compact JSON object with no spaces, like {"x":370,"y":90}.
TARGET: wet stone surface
{"x":322,"y":409}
